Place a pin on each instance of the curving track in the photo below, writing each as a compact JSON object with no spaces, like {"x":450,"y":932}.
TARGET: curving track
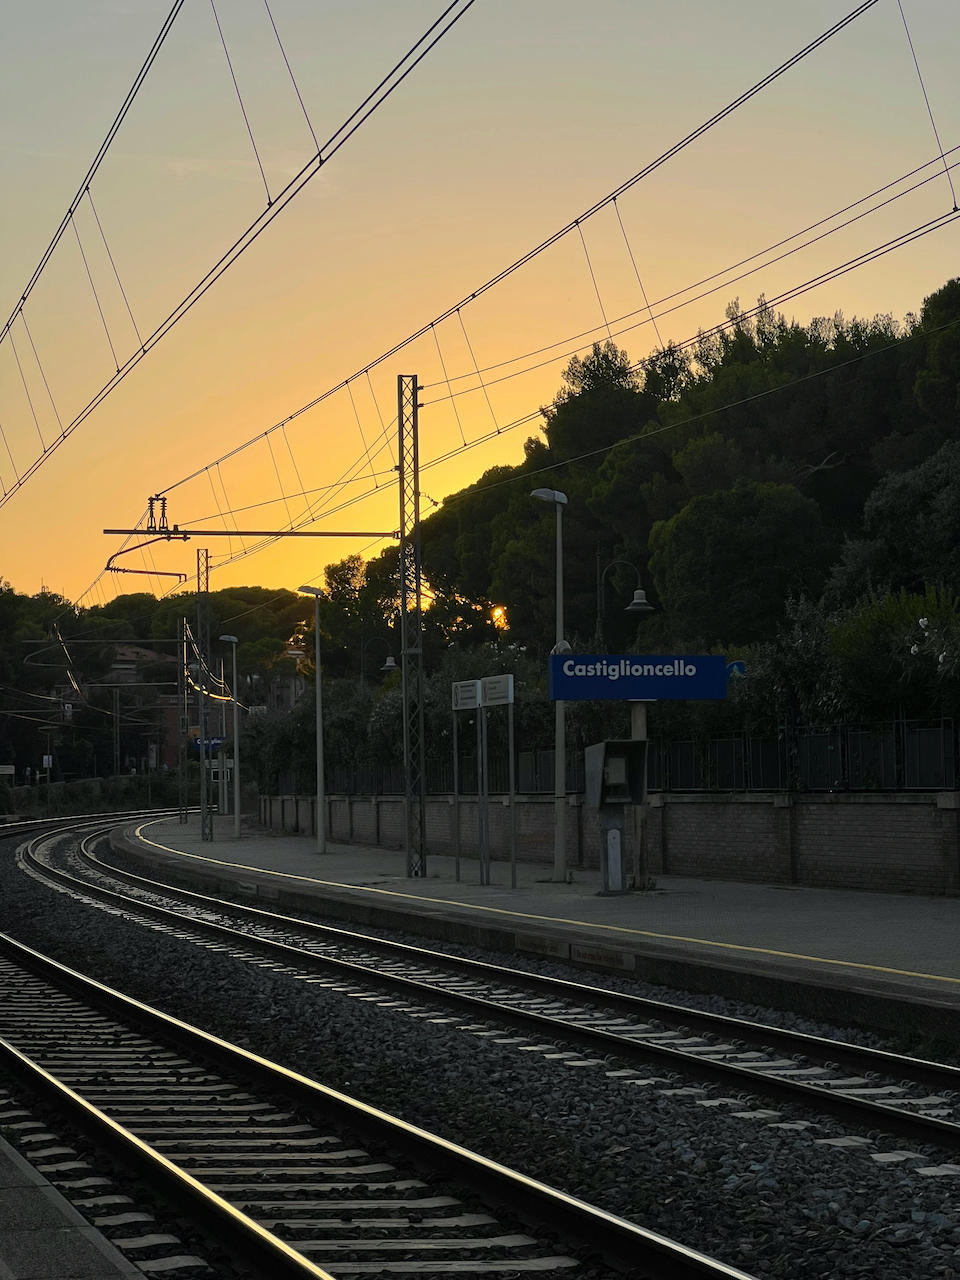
{"x":300,"y":1179}
{"x":886,"y":1091}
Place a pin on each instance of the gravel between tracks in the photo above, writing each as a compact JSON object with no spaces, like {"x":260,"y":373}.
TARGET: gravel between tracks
{"x":768,"y":1200}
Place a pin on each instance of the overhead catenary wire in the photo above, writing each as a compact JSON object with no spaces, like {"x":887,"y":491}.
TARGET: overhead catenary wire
{"x":842,"y":269}
{"x":926,"y":99}
{"x":589,"y":335}
{"x":563,"y":231}
{"x":636,"y":271}
{"x":243,"y":109}
{"x":53,"y":405}
{"x":97,"y":161}
{"x":373,"y":101}
{"x":293,"y":79}
{"x":96,"y":296}
{"x":536,"y":415}
{"x":123,"y":292}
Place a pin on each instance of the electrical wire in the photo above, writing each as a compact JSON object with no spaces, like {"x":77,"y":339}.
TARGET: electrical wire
{"x":558,"y":235}
{"x":98,"y":160}
{"x":923,"y":87}
{"x":374,"y":100}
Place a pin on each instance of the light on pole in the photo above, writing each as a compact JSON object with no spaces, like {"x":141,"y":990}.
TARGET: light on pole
{"x":233,"y":641}
{"x":639,"y":603}
{"x":389,"y":663}
{"x":559,"y":501}
{"x":316,"y":592}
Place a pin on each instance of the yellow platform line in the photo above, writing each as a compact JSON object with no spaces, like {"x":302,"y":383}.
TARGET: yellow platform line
{"x":524,"y":915}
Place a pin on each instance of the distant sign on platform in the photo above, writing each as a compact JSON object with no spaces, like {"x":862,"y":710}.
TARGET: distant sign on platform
{"x":637,"y":677}
{"x":496,"y":691}
{"x":7,"y":770}
{"x":465,"y":695}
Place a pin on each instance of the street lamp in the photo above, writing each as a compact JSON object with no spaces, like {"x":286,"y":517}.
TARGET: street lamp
{"x":639,"y":603}
{"x":316,"y":592}
{"x":389,"y":662}
{"x":559,"y":501}
{"x":233,"y":641}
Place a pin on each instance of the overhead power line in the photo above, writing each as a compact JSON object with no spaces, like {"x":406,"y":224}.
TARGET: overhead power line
{"x":98,"y":160}
{"x":551,"y":240}
{"x":373,"y":101}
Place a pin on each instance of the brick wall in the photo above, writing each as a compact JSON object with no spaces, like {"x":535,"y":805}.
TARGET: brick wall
{"x":908,"y":843}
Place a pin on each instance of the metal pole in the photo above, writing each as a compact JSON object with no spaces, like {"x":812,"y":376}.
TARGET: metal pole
{"x":511,"y":764}
{"x":321,"y":792}
{"x":411,"y":625}
{"x":236,"y":751}
{"x":560,"y":737}
{"x":456,"y":798}
{"x":480,"y":815}
{"x":638,"y":731}
{"x":485,"y":870}
{"x":183,"y":785}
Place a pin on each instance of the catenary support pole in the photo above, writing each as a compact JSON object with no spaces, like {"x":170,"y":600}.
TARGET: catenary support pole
{"x":411,"y":624}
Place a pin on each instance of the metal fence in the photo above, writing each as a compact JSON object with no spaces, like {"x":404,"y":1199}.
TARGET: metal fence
{"x":905,"y":755}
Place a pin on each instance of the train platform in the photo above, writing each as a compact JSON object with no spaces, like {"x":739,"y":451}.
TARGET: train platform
{"x":888,"y":961}
{"x":43,"y":1237}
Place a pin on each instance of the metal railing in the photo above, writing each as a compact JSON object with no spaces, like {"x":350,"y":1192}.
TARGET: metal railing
{"x":904,"y":755}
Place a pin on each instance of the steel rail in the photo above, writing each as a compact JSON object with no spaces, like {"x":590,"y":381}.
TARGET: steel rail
{"x":622,"y":1244}
{"x":853,"y":1057}
{"x":232,"y":1226}
{"x":851,"y":1110}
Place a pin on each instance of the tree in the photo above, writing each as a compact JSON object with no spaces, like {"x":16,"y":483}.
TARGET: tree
{"x":913,"y":518}
{"x":726,"y":564}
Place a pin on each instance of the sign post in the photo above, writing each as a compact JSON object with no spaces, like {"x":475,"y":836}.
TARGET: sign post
{"x":638,"y":679}
{"x":465,"y":696}
{"x":497,"y":691}
{"x":480,"y":695}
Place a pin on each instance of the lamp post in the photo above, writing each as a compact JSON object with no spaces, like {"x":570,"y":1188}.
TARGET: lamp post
{"x":389,"y":663}
{"x":638,"y":715}
{"x":316,"y":592}
{"x":639,"y":603}
{"x":559,"y":501}
{"x":233,"y":641}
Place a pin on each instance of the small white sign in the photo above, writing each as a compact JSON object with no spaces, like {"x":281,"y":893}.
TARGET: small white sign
{"x":48,"y":762}
{"x":6,"y":770}
{"x":496,"y":691}
{"x":466,"y":694}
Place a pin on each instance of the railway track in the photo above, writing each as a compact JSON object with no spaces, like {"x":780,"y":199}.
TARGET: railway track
{"x":903,"y":1096}
{"x":298,"y":1179}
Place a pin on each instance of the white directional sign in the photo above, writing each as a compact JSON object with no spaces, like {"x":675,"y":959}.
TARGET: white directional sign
{"x":496,"y":691}
{"x":466,"y":695}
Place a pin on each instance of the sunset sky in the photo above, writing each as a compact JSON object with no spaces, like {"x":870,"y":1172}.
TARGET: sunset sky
{"x":519,"y":120}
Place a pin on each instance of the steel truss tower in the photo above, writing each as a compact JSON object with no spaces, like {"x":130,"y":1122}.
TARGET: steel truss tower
{"x":203,"y":666}
{"x":411,"y":624}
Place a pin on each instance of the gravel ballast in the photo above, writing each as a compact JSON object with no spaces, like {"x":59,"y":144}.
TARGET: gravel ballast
{"x":768,"y":1200}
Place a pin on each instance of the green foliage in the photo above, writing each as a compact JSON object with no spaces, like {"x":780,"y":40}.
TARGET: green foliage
{"x":725,"y":565}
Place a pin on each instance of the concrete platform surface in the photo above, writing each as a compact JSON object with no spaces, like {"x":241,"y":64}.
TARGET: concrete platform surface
{"x":43,"y":1237}
{"x":898,"y":947}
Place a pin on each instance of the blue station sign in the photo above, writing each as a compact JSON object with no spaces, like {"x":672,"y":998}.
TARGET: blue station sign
{"x":612,"y":676}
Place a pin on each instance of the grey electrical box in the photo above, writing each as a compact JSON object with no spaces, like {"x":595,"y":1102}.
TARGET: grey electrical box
{"x":614,"y":772}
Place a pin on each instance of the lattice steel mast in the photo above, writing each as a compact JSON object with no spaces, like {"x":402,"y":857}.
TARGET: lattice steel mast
{"x":411,"y":624}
